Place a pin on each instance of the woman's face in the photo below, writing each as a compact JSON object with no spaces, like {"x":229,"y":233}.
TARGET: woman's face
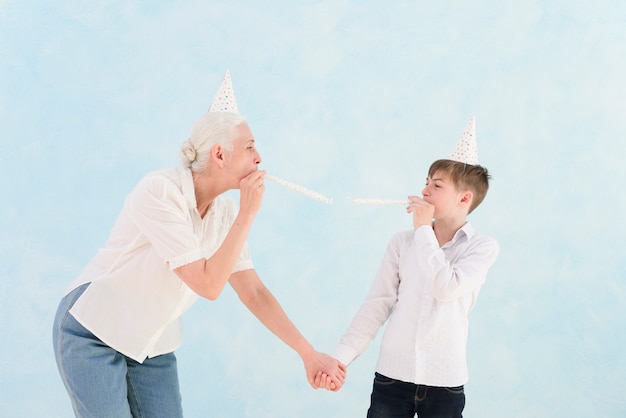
{"x":244,"y":157}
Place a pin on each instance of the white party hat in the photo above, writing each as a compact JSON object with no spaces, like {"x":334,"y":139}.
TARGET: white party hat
{"x":466,"y":150}
{"x":224,"y":100}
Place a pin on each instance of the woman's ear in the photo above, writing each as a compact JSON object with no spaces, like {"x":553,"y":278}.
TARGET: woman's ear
{"x":217,"y":155}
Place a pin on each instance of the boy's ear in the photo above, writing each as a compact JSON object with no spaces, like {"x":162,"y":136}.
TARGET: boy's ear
{"x":467,"y":197}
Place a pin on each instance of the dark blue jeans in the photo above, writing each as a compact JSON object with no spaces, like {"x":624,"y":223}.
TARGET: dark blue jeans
{"x":396,"y":399}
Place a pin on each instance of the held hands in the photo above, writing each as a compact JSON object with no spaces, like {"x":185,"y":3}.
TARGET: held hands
{"x":324,"y":381}
{"x":324,"y":371}
{"x":423,"y":212}
{"x":251,"y":189}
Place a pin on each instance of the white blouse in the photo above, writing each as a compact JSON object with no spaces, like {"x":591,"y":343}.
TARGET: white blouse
{"x":135,"y":300}
{"x":426,"y":292}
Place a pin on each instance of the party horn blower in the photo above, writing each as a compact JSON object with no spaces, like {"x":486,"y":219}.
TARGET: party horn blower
{"x":383,"y":202}
{"x":300,"y":189}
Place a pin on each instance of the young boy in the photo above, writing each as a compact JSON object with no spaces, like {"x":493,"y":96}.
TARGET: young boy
{"x":426,"y":285}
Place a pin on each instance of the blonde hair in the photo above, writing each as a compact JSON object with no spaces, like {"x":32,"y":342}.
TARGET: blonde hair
{"x":212,"y":128}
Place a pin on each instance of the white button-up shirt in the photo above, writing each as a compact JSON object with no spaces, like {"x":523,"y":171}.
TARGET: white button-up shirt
{"x":135,"y":300}
{"x":426,"y":292}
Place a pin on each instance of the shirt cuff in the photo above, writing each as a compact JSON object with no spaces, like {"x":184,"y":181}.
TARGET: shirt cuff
{"x":243,"y":265}
{"x":183,"y":260}
{"x":425,"y":236}
{"x":344,"y":354}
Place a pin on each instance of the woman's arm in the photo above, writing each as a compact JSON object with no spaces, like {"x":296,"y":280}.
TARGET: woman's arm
{"x":260,"y":301}
{"x":207,"y":277}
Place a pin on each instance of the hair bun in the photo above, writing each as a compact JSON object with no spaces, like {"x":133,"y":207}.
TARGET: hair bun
{"x":189,"y":152}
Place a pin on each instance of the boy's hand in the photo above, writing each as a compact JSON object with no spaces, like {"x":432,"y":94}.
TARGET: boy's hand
{"x":423,"y":212}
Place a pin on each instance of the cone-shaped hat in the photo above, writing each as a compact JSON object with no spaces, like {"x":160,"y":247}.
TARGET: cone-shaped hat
{"x":224,"y":100}
{"x":466,"y":150}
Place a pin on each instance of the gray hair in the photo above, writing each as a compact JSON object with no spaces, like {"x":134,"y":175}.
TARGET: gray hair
{"x":212,"y":128}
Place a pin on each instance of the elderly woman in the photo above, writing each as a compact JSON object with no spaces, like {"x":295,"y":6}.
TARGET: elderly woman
{"x":176,"y":238}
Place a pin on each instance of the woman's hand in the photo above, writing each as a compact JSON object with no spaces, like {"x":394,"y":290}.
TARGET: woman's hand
{"x":325,"y":371}
{"x":251,"y":189}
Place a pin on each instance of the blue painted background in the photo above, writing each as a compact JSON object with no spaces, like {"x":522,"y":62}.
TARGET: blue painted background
{"x":348,"y":98}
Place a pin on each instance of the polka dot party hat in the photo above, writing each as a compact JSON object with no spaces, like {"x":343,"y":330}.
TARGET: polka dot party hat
{"x":224,"y":100}
{"x":466,"y":150}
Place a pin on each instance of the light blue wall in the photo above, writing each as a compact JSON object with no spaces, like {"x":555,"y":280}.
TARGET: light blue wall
{"x":349,"y":98}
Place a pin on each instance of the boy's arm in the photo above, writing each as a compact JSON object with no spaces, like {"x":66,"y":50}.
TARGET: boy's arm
{"x":374,"y":311}
{"x":464,"y":275}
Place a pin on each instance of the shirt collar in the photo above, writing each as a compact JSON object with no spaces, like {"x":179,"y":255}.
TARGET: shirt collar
{"x":189,"y":191}
{"x":186,"y":180}
{"x":467,"y":229}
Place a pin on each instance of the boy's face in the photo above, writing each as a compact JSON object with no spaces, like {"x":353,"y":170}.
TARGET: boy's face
{"x":441,"y":192}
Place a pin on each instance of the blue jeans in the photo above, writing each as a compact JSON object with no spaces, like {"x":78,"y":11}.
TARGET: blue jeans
{"x":102,"y":382}
{"x":396,"y":399}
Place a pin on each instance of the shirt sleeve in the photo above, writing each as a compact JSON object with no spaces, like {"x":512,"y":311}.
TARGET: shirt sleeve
{"x":158,"y":209}
{"x":244,"y":262}
{"x":374,"y":311}
{"x":457,"y":278}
